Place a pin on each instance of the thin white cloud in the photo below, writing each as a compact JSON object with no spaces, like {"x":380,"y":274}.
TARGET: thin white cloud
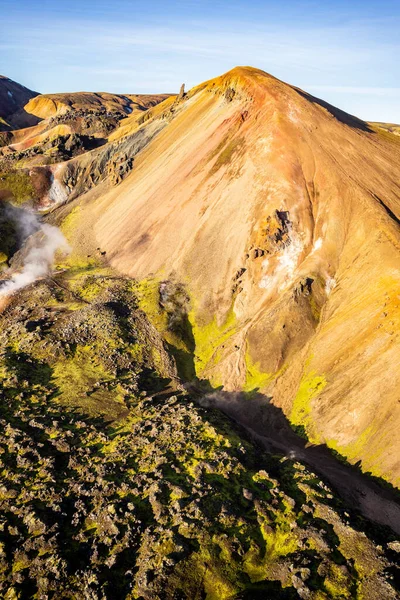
{"x":364,"y":91}
{"x":352,"y":63}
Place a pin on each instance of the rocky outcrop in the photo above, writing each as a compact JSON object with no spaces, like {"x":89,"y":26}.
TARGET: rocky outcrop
{"x":119,"y":167}
{"x":114,"y":161}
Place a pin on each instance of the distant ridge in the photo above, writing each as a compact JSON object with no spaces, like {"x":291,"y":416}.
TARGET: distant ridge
{"x":13,"y":96}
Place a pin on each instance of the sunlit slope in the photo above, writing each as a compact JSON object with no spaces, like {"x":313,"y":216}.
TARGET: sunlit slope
{"x":280,"y":215}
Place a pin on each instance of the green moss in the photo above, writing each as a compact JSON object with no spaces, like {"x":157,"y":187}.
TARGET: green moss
{"x":69,"y":226}
{"x":301,"y":414}
{"x":255,"y":378}
{"x":90,"y":287}
{"x":194,"y":344}
{"x":352,"y":451}
{"x":149,"y":301}
{"x":338,"y":582}
{"x":217,"y":587}
{"x":253,"y":564}
{"x":19,"y":184}
{"x":20,"y":565}
{"x":173,"y":324}
{"x":209,"y":338}
{"x":94,"y":353}
{"x":81,"y":370}
{"x":371,"y":453}
{"x":9,"y":235}
{"x":280,"y":542}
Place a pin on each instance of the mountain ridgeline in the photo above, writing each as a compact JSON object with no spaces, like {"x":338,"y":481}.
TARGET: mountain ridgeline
{"x":199,"y":333}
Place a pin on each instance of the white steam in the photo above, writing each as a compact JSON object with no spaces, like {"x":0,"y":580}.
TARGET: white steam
{"x":285,"y":266}
{"x":330,"y":284}
{"x":41,"y":242}
{"x":58,"y":193}
{"x":317,"y":245}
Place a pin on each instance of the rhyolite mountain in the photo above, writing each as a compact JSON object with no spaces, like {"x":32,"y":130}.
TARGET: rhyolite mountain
{"x":279,"y":215}
{"x":227,"y":323}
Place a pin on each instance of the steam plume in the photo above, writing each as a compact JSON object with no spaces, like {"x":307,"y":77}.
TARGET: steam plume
{"x":44,"y":240}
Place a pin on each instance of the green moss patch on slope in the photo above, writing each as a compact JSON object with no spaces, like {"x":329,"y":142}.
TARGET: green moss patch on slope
{"x":88,"y":329}
{"x":301,"y":414}
{"x":18,"y":185}
{"x":209,"y":337}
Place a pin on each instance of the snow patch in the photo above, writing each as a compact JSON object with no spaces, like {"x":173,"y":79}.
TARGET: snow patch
{"x":10,"y":94}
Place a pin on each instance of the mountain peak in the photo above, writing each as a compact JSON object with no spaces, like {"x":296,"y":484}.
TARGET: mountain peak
{"x":240,"y":78}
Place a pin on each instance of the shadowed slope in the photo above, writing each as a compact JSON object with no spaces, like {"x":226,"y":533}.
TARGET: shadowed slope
{"x":13,"y":97}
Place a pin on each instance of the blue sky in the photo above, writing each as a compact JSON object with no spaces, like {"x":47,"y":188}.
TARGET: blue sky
{"x":346,"y":52}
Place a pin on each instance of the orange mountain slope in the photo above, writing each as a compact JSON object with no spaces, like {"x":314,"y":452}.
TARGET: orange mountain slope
{"x":280,"y":215}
